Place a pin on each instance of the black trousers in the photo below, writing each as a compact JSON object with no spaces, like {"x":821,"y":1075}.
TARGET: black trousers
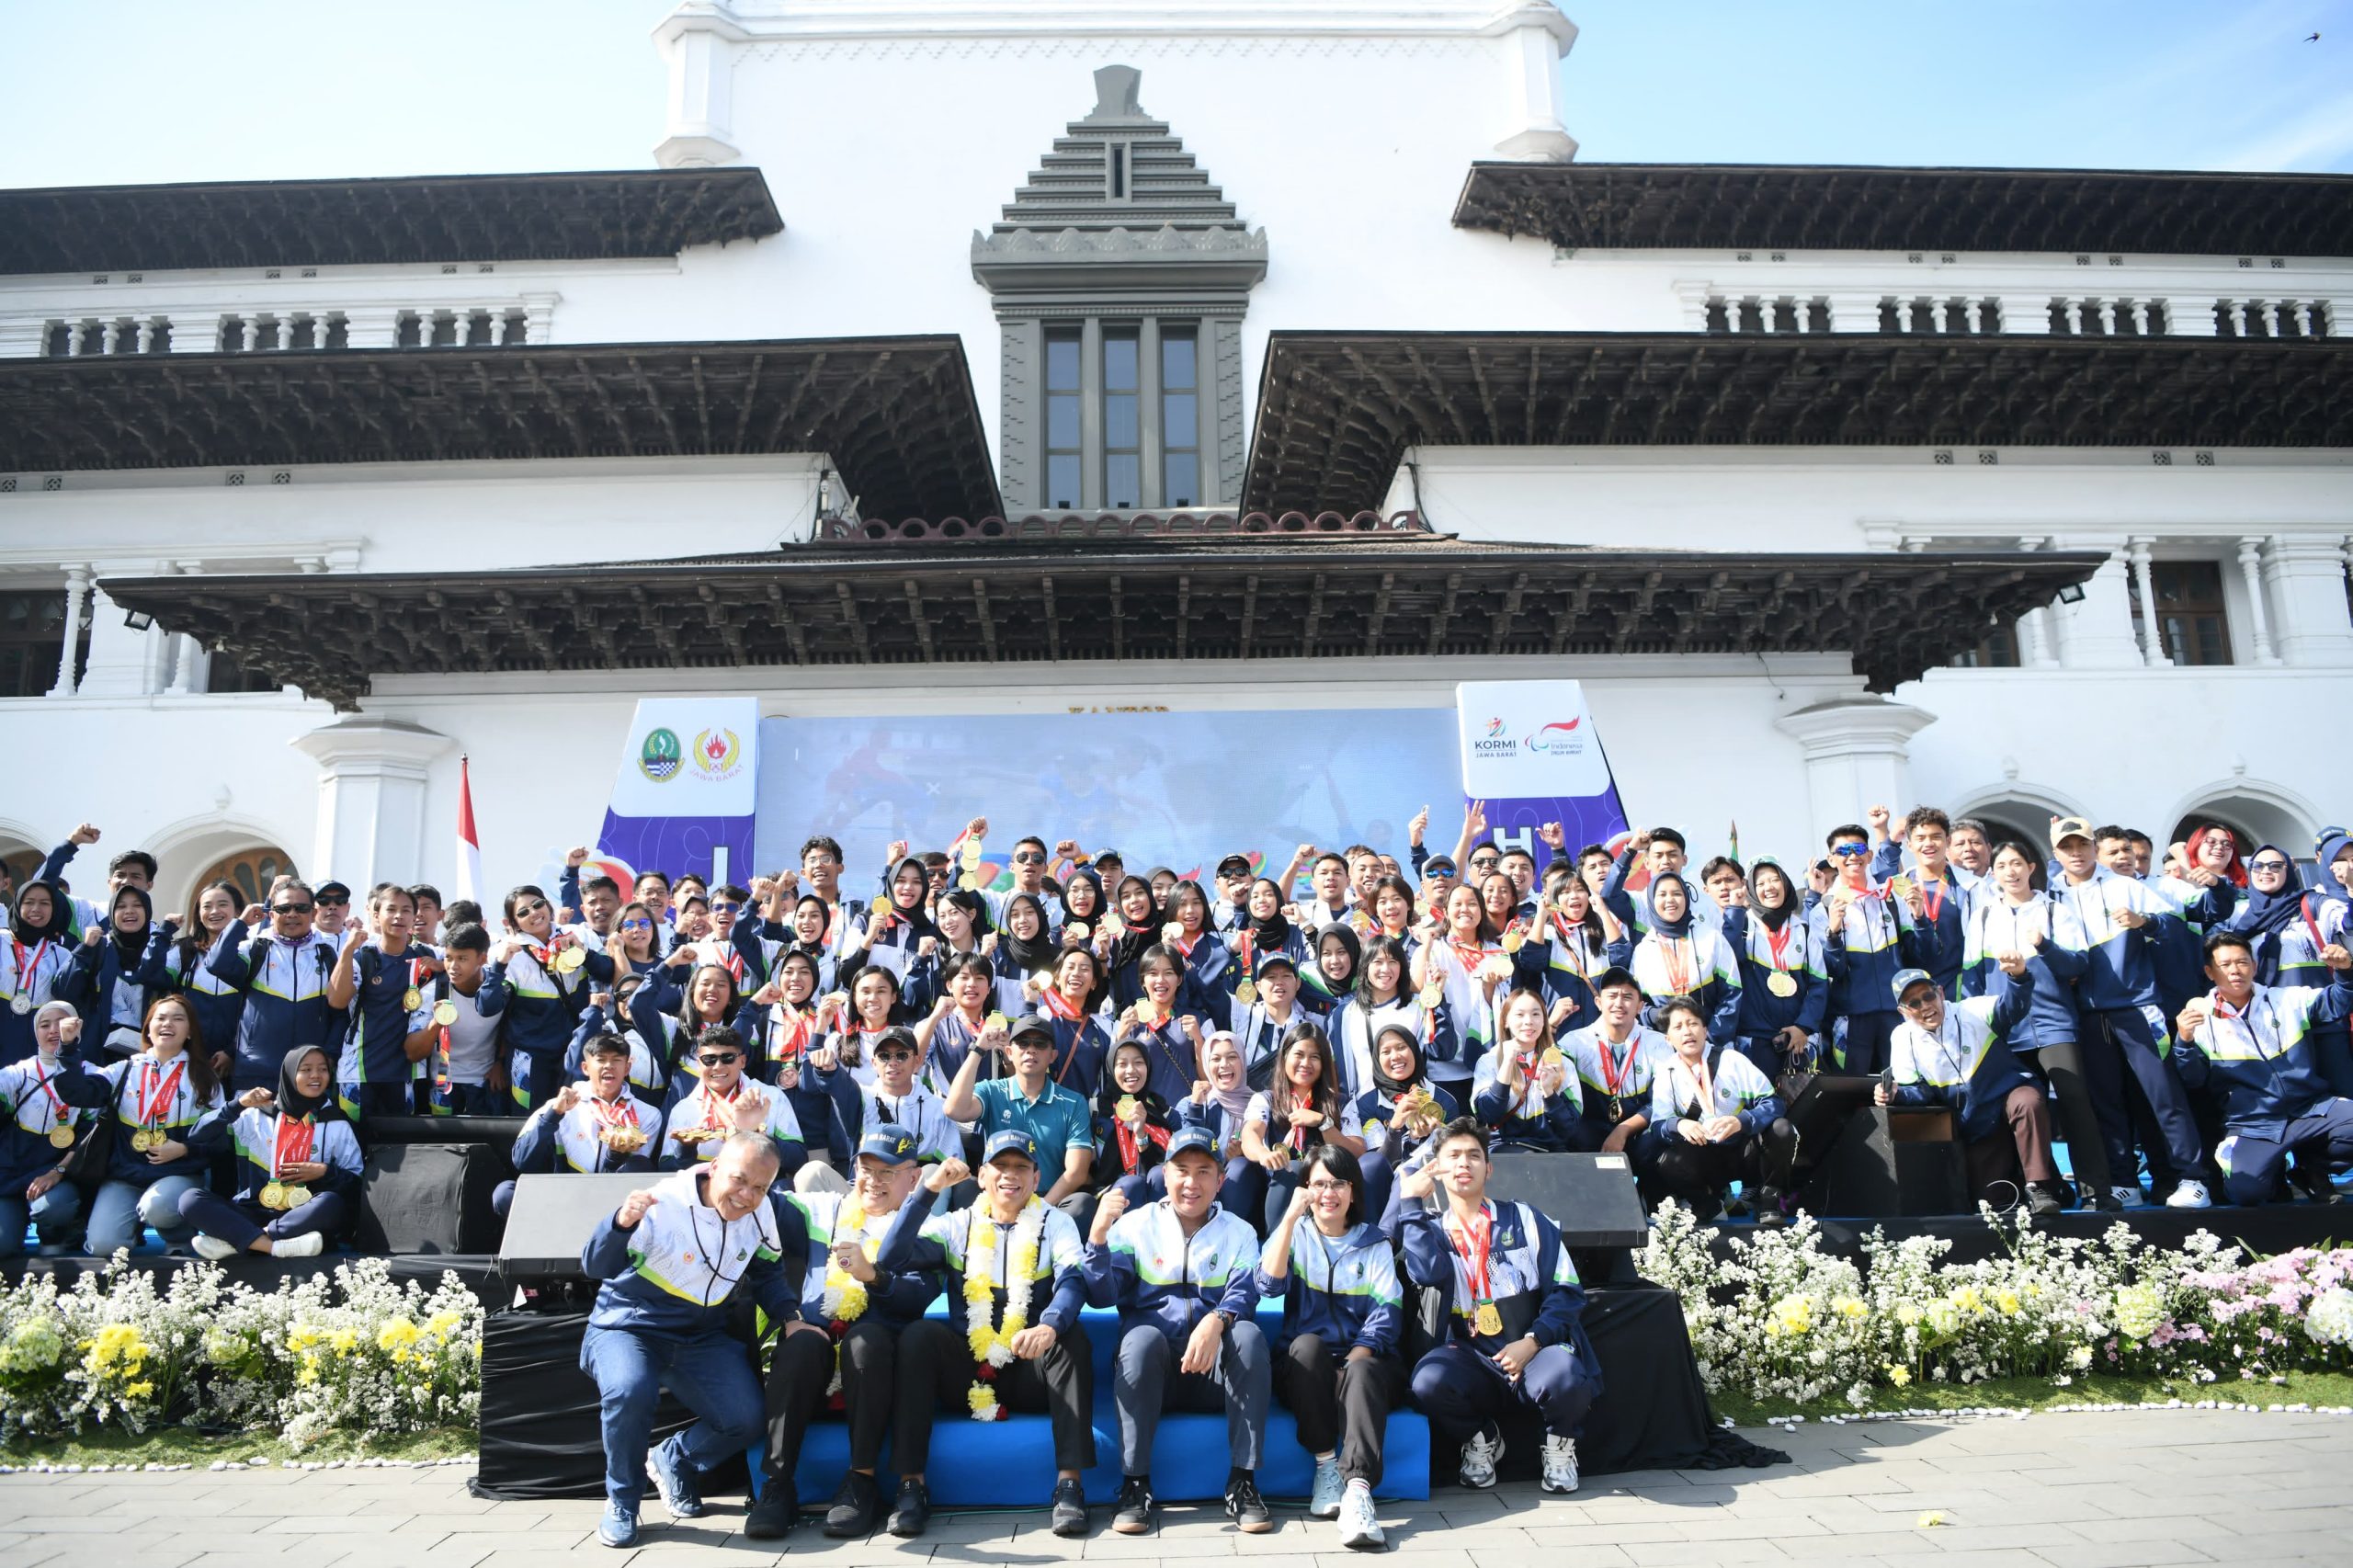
{"x":935,"y":1373}
{"x":799,"y":1372}
{"x":870,"y":1380}
{"x":1695,"y":1170}
{"x":1340,"y":1402}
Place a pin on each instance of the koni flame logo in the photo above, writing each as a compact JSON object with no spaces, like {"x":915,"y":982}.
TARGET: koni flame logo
{"x":718,"y":754}
{"x":1557,"y":737}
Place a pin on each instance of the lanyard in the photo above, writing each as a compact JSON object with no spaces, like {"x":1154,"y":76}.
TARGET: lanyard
{"x":293,"y":1142}
{"x":1678,"y":971}
{"x":1475,"y":1245}
{"x":2254,"y":1041}
{"x":28,"y":970}
{"x":42,"y":1081}
{"x":1704,"y":1084}
{"x":711,"y":1102}
{"x":1060,"y":1006}
{"x":612,"y":1113}
{"x":1932,"y":894}
{"x":152,"y":1099}
{"x":1616,"y":1080}
{"x":1779,"y":943}
{"x":792,"y":1032}
{"x":2304,"y":906}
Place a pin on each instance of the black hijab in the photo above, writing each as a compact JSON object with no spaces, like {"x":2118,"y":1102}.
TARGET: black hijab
{"x":1271,"y":935}
{"x":1134,"y":939}
{"x":59,"y":928}
{"x":1311,"y":975}
{"x":1029,"y":954}
{"x":293,"y":1102}
{"x":130,"y":947}
{"x":1772,"y":919}
{"x":1084,"y":874}
{"x":916,"y":918}
{"x":1388,"y":1086}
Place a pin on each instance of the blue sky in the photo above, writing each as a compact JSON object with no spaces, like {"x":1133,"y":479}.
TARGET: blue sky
{"x":154,"y":90}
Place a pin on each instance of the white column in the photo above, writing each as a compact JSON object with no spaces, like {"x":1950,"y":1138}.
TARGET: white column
{"x":373,"y":775}
{"x":198,"y":332}
{"x":371,"y":326}
{"x":701,"y":53}
{"x":147,"y":335}
{"x":1533,"y":91}
{"x":1854,"y":311}
{"x":2035,"y":628}
{"x":2259,"y":619}
{"x":2153,"y":642}
{"x":2026,"y":315}
{"x":189,"y":661}
{"x":2190,"y":317}
{"x":2305,"y":573}
{"x":2096,"y":633}
{"x":78,"y":595}
{"x":122,"y":661}
{"x":539,"y":318}
{"x":1857,"y":754}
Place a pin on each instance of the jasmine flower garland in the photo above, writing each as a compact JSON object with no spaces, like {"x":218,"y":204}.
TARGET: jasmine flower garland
{"x":991,"y":1345}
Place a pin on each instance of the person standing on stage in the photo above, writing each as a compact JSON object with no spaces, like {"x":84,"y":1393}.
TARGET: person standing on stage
{"x":1512,"y":1336}
{"x":669,"y":1259}
{"x":1010,"y":1352}
{"x":1183,"y":1274}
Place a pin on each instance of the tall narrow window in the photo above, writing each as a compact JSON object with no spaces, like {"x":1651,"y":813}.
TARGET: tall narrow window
{"x":1180,"y":419}
{"x":1064,"y":454}
{"x":1118,"y":173}
{"x":2192,"y":625}
{"x":1122,"y":421}
{"x":32,"y":628}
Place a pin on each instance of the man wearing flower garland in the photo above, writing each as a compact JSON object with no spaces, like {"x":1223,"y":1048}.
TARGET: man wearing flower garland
{"x":2250,"y":1047}
{"x":1183,"y":1272}
{"x":670,"y":1259}
{"x":996,"y":1255}
{"x":864,"y":1311}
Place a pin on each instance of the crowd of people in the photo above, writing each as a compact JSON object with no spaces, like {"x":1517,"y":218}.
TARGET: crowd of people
{"x":1090,"y":1071}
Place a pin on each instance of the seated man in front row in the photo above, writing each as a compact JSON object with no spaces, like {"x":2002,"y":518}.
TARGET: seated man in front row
{"x":2250,"y":1047}
{"x":1183,"y":1272}
{"x":1512,"y":1337}
{"x":1958,"y":1054}
{"x":670,"y":1259}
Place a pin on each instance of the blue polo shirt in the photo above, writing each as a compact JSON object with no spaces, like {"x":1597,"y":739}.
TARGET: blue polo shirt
{"x":1058,"y":1121}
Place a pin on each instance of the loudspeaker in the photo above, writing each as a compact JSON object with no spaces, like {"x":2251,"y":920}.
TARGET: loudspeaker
{"x":1891,"y":1161}
{"x":1590,"y":1197}
{"x":499,"y":1131}
{"x":554,"y":1216}
{"x":430,"y":1198}
{"x":1819,"y":1106}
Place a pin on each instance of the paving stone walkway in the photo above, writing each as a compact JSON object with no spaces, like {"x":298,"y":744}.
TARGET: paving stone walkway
{"x":2126,"y":1490}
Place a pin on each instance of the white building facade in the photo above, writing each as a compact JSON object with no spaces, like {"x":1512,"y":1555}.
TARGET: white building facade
{"x":1136,"y":267}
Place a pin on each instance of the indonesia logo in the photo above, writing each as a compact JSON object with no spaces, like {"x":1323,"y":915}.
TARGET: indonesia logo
{"x":659,"y":758}
{"x":1559,"y":738}
{"x":718,"y":754}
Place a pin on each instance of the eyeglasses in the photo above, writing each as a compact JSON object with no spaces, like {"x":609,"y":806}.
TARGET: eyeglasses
{"x":2266,"y":865}
{"x":720,"y":1058}
{"x":291,"y":908}
{"x":1027,"y":857}
{"x":1914,"y":1004}
{"x":1327,"y":1186}
{"x":637,"y":925}
{"x":1848,"y":851}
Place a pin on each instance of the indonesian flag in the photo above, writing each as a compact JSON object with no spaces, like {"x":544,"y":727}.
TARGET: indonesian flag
{"x":468,"y":841}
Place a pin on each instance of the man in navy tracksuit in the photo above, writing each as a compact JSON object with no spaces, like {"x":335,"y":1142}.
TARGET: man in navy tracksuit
{"x":2250,"y":1046}
{"x":2116,"y":1002}
{"x":285,"y":973}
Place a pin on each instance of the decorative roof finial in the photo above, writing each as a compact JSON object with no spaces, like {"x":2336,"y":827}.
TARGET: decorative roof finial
{"x":1115,"y":94}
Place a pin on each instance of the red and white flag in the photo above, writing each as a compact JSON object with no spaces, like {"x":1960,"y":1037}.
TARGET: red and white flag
{"x":468,"y":841}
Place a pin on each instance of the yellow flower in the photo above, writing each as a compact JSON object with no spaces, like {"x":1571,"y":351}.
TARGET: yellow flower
{"x":2010,"y":1304}
{"x":1967,"y":1300}
{"x":1899,"y":1376}
{"x":1850,"y":1308}
{"x":1907,"y":1313}
{"x":140,"y":1391}
{"x":396,"y":1336}
{"x":345,"y":1341}
{"x":442,"y":1324}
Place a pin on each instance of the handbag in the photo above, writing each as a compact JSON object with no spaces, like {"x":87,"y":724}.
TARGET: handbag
{"x":87,"y":1162}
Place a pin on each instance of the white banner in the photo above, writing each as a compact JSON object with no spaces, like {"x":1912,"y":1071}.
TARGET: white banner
{"x":1528,"y":738}
{"x":690,"y":757}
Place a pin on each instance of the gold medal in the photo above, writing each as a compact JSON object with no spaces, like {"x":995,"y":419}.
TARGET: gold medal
{"x":412,"y":999}
{"x":61,"y":1137}
{"x":1113,"y":926}
{"x":1514,"y":939}
{"x":1432,"y":993}
{"x":1781,"y":983}
{"x":143,"y":1139}
{"x":1488,"y":1321}
{"x":1900,"y":885}
{"x":970,"y":855}
{"x":273,"y":1196}
{"x":1551,"y":1058}
{"x":297,"y":1196}
{"x":970,"y":881}
{"x":993,"y":1021}
{"x":1245,"y":992}
{"x":1172,"y":932}
{"x":569,"y":961}
{"x":1125,"y":1108}
{"x":445,"y":1012}
{"x":1078,"y":929}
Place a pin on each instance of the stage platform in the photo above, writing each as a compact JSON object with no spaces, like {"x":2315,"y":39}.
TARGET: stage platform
{"x":2263,"y":1229}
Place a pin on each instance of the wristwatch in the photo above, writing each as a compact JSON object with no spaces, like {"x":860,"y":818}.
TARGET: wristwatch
{"x":1225,"y":1317}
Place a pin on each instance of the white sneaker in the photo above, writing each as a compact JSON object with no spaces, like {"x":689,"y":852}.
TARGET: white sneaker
{"x":1360,"y":1530}
{"x":1323,"y":1502}
{"x":309,"y":1243}
{"x":1559,"y":1463}
{"x":212,"y":1249}
{"x":2131,"y":1196}
{"x":1479,"y":1457}
{"x":2190,"y":1195}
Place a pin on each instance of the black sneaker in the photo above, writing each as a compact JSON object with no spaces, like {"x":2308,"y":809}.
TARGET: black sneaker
{"x":2101,"y":1201}
{"x":1769,"y":1216}
{"x":852,"y":1513}
{"x":1246,"y":1508}
{"x":770,"y":1517}
{"x":1070,"y":1507}
{"x":2043,"y":1202}
{"x":912,"y":1513}
{"x":1132,"y":1513}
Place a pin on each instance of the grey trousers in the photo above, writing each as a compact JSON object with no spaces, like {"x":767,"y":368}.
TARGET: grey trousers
{"x":1146,"y":1383}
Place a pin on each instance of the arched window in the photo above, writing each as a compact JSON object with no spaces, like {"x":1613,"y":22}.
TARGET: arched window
{"x":250,"y":871}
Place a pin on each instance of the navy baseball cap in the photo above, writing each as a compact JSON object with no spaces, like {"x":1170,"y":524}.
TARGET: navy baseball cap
{"x":889,"y":1142}
{"x":1031,"y":1024}
{"x":1012,"y":1140}
{"x":1188,"y":1138}
{"x":1274,"y":961}
{"x":1905,"y":978}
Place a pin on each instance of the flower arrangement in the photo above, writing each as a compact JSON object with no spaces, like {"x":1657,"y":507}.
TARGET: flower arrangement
{"x":1781,"y":1320}
{"x":353,"y":1352}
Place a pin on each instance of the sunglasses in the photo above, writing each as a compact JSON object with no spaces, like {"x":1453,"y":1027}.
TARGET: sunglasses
{"x":291,"y":908}
{"x":1027,"y":857}
{"x":1487,"y":863}
{"x":720,"y":1058}
{"x":523,"y":909}
{"x":1848,"y":851}
{"x":637,"y":925}
{"x":726,"y":906}
{"x":895,"y":1056}
{"x":2266,"y":865}
{"x":335,"y":903}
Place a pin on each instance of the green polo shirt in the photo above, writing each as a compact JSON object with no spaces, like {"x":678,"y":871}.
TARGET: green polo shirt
{"x":1058,"y":1121}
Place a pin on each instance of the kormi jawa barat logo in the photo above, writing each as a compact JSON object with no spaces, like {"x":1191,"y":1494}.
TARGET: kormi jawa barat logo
{"x":1562,"y":738}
